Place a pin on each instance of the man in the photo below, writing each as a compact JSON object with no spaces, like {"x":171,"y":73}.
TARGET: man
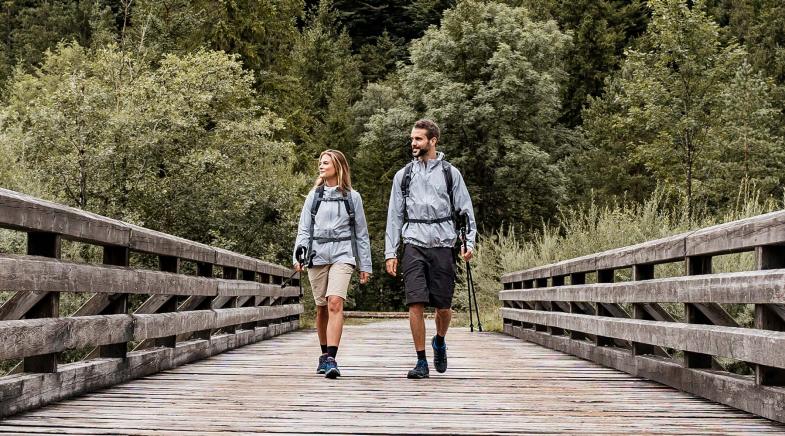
{"x":425,"y":213}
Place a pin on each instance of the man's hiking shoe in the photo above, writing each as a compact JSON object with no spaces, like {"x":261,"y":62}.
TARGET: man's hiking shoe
{"x":419,"y":371}
{"x":322,"y":364}
{"x":331,"y":368}
{"x":439,"y":356}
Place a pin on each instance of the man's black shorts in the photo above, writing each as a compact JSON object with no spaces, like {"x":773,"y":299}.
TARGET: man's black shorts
{"x":428,"y":275}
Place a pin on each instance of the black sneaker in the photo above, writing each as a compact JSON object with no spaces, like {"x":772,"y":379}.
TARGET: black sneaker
{"x":331,"y":368}
{"x":439,"y":356}
{"x":419,"y":371}
{"x":322,"y":364}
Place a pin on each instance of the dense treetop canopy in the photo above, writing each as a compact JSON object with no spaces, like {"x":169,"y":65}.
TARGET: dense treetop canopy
{"x":205,"y":119}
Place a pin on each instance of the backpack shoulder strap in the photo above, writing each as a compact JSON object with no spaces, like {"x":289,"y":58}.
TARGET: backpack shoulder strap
{"x":405,"y":183}
{"x":317,"y":200}
{"x":447,"y":169}
{"x":349,"y":203}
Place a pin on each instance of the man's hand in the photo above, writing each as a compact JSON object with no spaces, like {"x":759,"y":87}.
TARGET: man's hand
{"x":466,"y":255}
{"x":364,"y":277}
{"x":392,"y":266}
{"x":297,"y":267}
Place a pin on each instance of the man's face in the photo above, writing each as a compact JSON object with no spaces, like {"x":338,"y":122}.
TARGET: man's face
{"x":421,"y":145}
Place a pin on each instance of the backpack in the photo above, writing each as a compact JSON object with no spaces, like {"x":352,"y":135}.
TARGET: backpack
{"x":318,"y":198}
{"x":407,"y":178}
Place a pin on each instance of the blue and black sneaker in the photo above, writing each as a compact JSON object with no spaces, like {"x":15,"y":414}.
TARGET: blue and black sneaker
{"x":331,"y":368}
{"x":322,"y":364}
{"x":439,"y":356}
{"x":420,"y":370}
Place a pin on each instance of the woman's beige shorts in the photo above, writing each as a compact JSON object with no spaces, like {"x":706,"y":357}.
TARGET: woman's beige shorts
{"x":329,"y":280}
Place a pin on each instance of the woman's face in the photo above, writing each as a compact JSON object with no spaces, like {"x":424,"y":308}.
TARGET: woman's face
{"x":326,"y":167}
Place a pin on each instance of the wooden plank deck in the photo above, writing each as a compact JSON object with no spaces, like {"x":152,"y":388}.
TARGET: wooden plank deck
{"x":495,"y":384}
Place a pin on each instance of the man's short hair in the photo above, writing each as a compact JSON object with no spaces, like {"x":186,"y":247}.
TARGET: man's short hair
{"x":429,"y":126}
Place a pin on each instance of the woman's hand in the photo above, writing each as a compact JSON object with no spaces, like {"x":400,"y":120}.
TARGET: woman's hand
{"x":364,"y":276}
{"x":297,"y":267}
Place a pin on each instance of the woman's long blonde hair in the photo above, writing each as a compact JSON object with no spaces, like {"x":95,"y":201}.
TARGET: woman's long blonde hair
{"x":342,"y":171}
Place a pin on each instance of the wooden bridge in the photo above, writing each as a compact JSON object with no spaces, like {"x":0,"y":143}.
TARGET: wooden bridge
{"x":176,"y":337}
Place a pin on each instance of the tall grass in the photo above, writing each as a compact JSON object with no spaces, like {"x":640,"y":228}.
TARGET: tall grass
{"x":594,"y":228}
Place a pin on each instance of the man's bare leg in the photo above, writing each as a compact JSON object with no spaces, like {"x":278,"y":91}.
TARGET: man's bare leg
{"x":443,"y":317}
{"x":417,"y":325}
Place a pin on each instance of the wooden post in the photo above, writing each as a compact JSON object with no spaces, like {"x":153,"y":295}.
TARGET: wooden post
{"x":770,"y":316}
{"x":118,"y":304}
{"x":48,"y":245}
{"x":250,"y":276}
{"x":230,"y":273}
{"x":168,"y":264}
{"x":577,"y":279}
{"x":696,"y":265}
{"x":541,"y":305}
{"x":641,"y":272}
{"x":555,"y":306}
{"x":603,"y":276}
{"x":205,"y":270}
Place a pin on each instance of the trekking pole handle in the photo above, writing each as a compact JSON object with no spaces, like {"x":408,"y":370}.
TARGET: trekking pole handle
{"x":300,"y":256}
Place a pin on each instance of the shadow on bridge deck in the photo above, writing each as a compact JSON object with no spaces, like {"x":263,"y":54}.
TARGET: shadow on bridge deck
{"x":495,"y":384}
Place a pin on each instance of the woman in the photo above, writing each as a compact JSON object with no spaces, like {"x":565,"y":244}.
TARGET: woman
{"x":333,"y":235}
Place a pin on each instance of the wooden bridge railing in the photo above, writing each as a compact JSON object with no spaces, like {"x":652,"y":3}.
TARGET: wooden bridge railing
{"x":181,"y":318}
{"x":624,"y":324}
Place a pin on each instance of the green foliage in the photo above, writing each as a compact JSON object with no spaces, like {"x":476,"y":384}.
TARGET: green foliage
{"x":490,"y":76}
{"x":596,"y":228}
{"x":600,"y":30}
{"x":328,"y":82}
{"x":685,"y":109}
{"x":29,"y":28}
{"x":182,"y":147}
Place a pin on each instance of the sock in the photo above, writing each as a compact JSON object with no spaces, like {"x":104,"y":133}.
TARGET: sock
{"x":324,"y":348}
{"x":421,"y":355}
{"x":439,"y":340}
{"x":332,"y":351}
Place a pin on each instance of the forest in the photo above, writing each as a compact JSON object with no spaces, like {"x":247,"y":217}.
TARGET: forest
{"x":578,"y":125}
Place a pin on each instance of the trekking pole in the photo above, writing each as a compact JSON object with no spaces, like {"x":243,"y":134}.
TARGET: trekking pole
{"x":300,"y":256}
{"x":474,"y":295}
{"x":470,"y":279}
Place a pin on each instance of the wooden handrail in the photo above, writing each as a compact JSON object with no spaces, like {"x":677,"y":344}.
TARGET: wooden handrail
{"x":626,"y":325}
{"x":184,"y":317}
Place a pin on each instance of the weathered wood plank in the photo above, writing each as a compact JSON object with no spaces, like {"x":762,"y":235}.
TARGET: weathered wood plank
{"x":237,"y":288}
{"x":738,"y":392}
{"x":31,"y":337}
{"x":750,"y":345}
{"x":153,"y":242}
{"x":22,"y":212}
{"x":739,"y":235}
{"x":766,"y":286}
{"x":29,"y":391}
{"x":510,"y":388}
{"x":30,"y":273}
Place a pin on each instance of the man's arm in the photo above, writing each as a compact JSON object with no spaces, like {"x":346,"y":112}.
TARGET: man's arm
{"x":392,"y":236}
{"x":463,"y":204}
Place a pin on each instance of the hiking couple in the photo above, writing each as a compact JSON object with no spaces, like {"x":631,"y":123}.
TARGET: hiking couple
{"x":428,"y":197}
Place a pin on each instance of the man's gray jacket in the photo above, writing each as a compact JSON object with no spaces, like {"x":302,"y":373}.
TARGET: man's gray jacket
{"x":428,"y":199}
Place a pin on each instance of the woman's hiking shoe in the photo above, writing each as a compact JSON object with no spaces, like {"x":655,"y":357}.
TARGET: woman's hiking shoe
{"x":439,"y":356}
{"x":331,"y":368}
{"x":322,"y":364}
{"x":419,"y":371}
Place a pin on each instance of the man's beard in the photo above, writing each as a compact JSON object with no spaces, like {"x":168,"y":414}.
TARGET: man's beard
{"x":419,"y":152}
